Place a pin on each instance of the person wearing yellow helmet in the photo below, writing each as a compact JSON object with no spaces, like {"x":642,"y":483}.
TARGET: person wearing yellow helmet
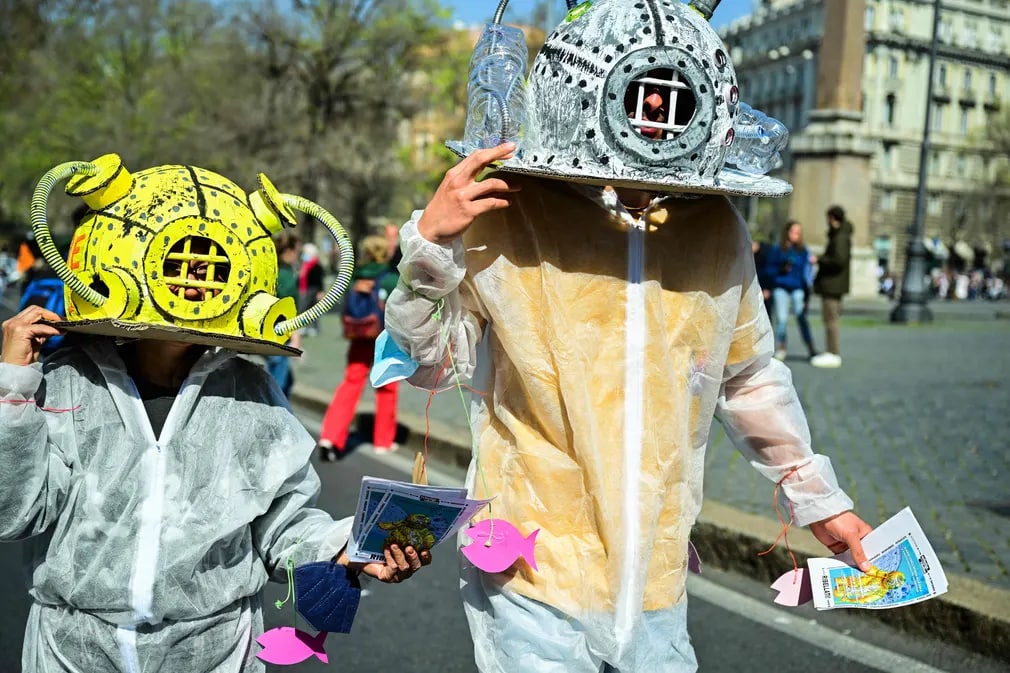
{"x":163,"y":479}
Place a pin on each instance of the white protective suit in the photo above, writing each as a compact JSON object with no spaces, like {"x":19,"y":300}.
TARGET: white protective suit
{"x":602,"y":347}
{"x":149,"y":552}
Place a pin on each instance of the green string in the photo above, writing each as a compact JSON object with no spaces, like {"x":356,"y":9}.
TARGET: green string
{"x":292,"y":596}
{"x":439,"y":305}
{"x":291,"y":589}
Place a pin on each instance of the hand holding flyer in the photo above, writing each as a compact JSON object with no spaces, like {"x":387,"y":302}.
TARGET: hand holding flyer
{"x":395,"y":512}
{"x":904,"y":570}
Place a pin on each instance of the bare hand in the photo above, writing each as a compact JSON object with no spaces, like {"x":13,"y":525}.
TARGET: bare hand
{"x":461,"y":198}
{"x":844,"y":531}
{"x":23,"y":335}
{"x":399,"y":565}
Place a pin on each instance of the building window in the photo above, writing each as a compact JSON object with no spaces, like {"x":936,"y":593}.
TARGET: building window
{"x":938,"y":109}
{"x":962,"y":125}
{"x":871,"y":16}
{"x":970,"y":34}
{"x":887,"y":160}
{"x":934,"y":206}
{"x":890,"y":103}
{"x":995,"y":39}
{"x":882,"y":244}
{"x":934,"y":163}
{"x":992,"y":85}
{"x":887,"y":200}
{"x":892,"y":67}
{"x":897,"y":20}
{"x":946,"y":30}
{"x":941,"y":76}
{"x":967,"y":79}
{"x":961,"y":165}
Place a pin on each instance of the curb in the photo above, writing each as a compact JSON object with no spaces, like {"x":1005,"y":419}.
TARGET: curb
{"x":971,"y":615}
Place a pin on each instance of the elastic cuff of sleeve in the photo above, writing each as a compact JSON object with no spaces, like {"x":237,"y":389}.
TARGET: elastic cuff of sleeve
{"x":431,"y":270}
{"x":18,"y":381}
{"x":335,"y":540}
{"x":822,"y":508}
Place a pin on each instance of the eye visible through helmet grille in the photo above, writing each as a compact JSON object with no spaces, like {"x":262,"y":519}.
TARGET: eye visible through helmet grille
{"x":195,"y":269}
{"x":660,"y":104}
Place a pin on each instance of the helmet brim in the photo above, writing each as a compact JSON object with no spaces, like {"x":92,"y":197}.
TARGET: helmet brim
{"x":125,"y":330}
{"x":727,"y":181}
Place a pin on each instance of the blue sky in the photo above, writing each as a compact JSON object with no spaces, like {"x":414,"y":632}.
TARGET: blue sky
{"x":479,"y":11}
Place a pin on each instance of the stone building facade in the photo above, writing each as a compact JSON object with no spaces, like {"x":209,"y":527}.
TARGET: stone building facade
{"x":778,"y":52}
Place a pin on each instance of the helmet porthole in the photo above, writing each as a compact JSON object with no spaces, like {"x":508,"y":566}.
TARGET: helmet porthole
{"x":660,"y":104}
{"x":196,"y":269}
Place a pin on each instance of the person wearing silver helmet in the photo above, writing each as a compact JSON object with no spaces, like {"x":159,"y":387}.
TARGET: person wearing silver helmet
{"x":600,"y":291}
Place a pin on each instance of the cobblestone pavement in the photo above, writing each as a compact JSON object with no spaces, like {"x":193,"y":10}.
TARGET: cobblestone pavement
{"x":917,"y":416}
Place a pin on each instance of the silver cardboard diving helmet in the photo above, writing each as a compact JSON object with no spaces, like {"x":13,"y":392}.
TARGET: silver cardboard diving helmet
{"x":583,"y":116}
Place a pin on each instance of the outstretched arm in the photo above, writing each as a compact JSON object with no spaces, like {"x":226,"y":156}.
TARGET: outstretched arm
{"x":762,"y":415}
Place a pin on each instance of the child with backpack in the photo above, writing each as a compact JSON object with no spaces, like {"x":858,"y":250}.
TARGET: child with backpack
{"x":364,"y":319}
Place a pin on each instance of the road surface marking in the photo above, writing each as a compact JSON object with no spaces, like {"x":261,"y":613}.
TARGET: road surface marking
{"x":805,"y":629}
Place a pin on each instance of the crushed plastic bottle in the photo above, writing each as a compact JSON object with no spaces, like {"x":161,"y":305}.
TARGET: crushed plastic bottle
{"x":758,"y":142}
{"x":496,"y":91}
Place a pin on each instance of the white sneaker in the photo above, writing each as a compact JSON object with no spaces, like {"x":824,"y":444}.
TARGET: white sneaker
{"x":780,"y":355}
{"x":386,"y":449}
{"x":826,"y":361}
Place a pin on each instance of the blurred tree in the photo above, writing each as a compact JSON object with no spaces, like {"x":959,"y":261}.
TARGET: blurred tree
{"x":158,"y":82}
{"x":315,"y":93}
{"x":340,"y":87}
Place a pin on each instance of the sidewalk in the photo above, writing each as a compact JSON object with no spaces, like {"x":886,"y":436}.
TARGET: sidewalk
{"x":916,"y":416}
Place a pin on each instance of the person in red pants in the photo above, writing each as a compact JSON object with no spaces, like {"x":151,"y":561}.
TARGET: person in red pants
{"x":363,"y":321}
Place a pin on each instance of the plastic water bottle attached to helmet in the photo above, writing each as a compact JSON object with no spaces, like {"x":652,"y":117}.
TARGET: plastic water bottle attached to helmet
{"x":496,"y":91}
{"x":758,"y":142}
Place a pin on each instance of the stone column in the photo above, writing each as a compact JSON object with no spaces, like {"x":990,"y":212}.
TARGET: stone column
{"x":831,"y":156}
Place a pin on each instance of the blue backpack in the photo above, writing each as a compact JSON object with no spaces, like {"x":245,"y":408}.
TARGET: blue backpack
{"x":365,"y":308}
{"x":47,"y":293}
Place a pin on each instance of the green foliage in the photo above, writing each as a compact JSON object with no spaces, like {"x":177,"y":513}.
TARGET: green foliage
{"x":313,"y":92}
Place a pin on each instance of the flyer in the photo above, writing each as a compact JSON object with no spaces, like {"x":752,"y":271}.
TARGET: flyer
{"x":904,"y":570}
{"x":395,"y":512}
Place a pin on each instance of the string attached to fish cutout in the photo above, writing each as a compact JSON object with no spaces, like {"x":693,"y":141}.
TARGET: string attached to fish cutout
{"x":288,"y":645}
{"x":793,"y":585}
{"x":497,"y":544}
{"x":324,"y":594}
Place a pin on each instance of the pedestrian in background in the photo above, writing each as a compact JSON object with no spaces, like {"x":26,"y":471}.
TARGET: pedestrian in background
{"x":364,"y":319}
{"x":287,"y":244}
{"x":832,"y":283}
{"x":761,"y":248}
{"x":310,"y":282}
{"x":789,"y":266}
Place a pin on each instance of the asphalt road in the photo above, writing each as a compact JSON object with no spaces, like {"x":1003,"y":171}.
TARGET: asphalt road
{"x":419,"y":626}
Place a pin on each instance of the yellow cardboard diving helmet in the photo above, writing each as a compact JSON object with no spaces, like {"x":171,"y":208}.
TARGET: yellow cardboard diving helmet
{"x":180,"y":253}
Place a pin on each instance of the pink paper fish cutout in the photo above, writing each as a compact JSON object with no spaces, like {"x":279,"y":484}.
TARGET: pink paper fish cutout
{"x":794,"y":588}
{"x":286,"y":645}
{"x":693,"y":560}
{"x":507,"y":545}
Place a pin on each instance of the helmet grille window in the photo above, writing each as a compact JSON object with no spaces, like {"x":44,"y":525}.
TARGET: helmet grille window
{"x":659,"y":104}
{"x":195,"y":269}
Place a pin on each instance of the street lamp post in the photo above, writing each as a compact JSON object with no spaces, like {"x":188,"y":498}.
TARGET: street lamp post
{"x":912,"y":302}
